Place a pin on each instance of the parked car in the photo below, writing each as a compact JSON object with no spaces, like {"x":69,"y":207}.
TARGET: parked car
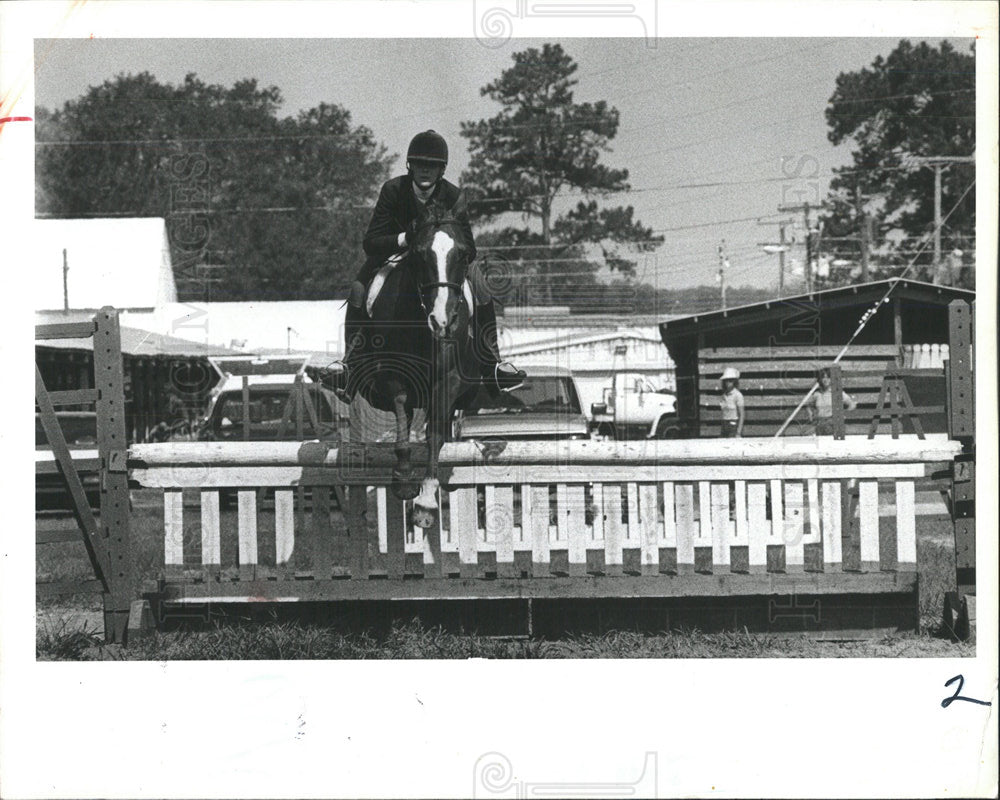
{"x":268,"y":399}
{"x":547,"y":406}
{"x":80,"y":430}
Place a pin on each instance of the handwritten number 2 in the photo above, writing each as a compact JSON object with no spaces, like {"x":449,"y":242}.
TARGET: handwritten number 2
{"x":957,"y":696}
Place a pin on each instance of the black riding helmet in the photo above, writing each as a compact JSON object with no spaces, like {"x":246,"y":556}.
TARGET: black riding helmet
{"x":428,"y":146}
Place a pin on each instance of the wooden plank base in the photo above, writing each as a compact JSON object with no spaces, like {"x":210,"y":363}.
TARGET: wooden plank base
{"x":721,"y":585}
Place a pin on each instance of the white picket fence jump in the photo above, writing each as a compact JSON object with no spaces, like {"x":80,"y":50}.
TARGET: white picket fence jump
{"x":672,"y":517}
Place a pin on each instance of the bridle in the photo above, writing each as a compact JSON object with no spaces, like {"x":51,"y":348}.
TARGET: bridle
{"x":423,"y":288}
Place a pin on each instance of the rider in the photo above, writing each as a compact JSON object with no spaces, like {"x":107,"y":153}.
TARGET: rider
{"x":391,"y":231}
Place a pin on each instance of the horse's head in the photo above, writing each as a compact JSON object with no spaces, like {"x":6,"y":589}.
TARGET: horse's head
{"x":441,"y":263}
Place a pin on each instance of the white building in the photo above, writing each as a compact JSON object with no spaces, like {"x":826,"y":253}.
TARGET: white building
{"x":90,"y":263}
{"x":592,"y":347}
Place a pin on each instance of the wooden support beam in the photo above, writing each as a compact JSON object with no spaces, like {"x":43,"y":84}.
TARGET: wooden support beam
{"x":109,"y":381}
{"x":92,"y":538}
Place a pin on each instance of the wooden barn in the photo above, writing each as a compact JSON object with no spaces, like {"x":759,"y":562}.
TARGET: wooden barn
{"x":778,"y":345}
{"x":167,"y":380}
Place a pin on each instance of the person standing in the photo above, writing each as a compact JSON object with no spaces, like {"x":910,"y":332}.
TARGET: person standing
{"x":820,"y":405}
{"x":731,"y":403}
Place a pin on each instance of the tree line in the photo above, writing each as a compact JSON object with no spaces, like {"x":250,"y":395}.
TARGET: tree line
{"x":263,"y":207}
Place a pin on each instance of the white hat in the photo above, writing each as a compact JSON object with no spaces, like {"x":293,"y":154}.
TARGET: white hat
{"x":730,"y":374}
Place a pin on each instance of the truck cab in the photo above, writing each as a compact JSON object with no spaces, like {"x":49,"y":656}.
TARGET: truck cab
{"x":634,"y":408}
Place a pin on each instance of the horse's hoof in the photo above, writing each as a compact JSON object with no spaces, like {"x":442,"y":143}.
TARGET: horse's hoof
{"x":405,"y":490}
{"x":424,"y":517}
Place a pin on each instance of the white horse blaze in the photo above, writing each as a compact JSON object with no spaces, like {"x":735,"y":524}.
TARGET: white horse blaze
{"x":441,"y":245}
{"x":428,"y":494}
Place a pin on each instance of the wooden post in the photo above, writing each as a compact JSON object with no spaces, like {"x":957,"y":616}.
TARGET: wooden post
{"x":112,"y":446}
{"x":897,"y":330}
{"x":961,"y":427}
{"x":246,"y":409}
{"x":837,"y":401}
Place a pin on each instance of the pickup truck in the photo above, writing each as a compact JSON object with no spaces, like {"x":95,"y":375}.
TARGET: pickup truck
{"x":635,"y":409}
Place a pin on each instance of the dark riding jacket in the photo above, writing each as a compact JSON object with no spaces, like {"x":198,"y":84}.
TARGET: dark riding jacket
{"x":396,"y":209}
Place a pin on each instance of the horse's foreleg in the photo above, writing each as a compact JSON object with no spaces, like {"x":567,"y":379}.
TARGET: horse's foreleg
{"x":425,"y":504}
{"x":402,"y":474}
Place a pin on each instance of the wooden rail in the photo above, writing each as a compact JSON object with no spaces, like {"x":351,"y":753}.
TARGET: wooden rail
{"x":592,"y":519}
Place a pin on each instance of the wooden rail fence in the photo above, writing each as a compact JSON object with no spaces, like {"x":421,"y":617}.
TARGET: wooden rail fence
{"x":543,"y":519}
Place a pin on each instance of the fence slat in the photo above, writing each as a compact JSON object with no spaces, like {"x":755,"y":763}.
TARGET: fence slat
{"x":649,"y":519}
{"x":686,"y":527}
{"x":758,"y":527}
{"x":832,"y":544}
{"x":720,"y":524}
{"x":284,"y":525}
{"x":561,"y":516}
{"x":431,"y":549}
{"x":813,"y":533}
{"x":632,"y":500}
{"x":794,"y":528}
{"x":576,"y":529}
{"x":703,"y":537}
{"x":740,"y":537}
{"x":906,"y":531}
{"x":382,"y":518}
{"x":465,"y":526}
{"x":357,"y":505}
{"x":868,"y":523}
{"x":246,"y":525}
{"x":614,"y":532}
{"x":395,"y":532}
{"x":538,"y":517}
{"x":210,"y":531}
{"x":500,"y":525}
{"x":669,"y":538}
{"x":173,"y":527}
{"x":597,"y":509}
{"x":322,"y":531}
{"x":776,"y":536}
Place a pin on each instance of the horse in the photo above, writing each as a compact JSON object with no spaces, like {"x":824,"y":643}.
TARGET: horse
{"x":418,"y":352}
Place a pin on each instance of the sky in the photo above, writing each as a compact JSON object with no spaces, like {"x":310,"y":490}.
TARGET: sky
{"x":715,"y":133}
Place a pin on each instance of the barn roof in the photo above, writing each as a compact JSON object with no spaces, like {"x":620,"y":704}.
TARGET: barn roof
{"x":841,"y":298}
{"x":137,"y":342}
{"x":121,"y":262}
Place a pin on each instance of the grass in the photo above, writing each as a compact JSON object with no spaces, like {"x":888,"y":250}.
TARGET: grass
{"x":291,"y":641}
{"x":61,"y":636}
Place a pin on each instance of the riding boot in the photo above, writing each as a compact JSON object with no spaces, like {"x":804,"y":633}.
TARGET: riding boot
{"x":498,"y":376}
{"x":342,"y":379}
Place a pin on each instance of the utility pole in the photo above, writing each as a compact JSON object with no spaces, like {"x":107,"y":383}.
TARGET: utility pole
{"x":781,"y":249}
{"x":65,"y":282}
{"x":723,"y":263}
{"x":805,"y":208}
{"x":940,"y":164}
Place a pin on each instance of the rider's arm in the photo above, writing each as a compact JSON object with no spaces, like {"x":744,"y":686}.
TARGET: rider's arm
{"x":382,"y":237}
{"x":461,"y":212}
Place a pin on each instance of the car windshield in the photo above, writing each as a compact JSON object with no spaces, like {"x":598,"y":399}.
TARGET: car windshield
{"x":548,"y":394}
{"x":266,"y":411}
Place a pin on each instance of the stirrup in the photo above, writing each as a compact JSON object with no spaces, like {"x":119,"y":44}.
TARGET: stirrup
{"x":496,"y":377}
